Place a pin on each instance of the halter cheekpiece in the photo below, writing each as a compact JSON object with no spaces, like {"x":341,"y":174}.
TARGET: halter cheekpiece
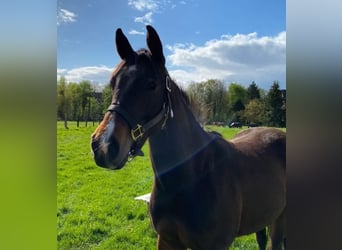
{"x":139,"y":129}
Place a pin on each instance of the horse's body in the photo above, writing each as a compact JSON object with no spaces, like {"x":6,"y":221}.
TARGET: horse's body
{"x":206,"y":187}
{"x":207,"y":190}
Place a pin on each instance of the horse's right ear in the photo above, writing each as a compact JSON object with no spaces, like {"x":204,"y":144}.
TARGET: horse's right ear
{"x":123,"y":46}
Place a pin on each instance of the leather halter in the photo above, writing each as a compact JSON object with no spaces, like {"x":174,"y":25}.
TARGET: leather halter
{"x":140,"y":130}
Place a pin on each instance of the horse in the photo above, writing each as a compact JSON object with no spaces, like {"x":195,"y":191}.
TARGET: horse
{"x":206,"y":190}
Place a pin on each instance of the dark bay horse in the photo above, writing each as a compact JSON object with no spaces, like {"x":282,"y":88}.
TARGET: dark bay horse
{"x":206,"y":190}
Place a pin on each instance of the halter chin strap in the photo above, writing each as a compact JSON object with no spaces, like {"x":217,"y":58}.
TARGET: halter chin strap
{"x":139,"y":130}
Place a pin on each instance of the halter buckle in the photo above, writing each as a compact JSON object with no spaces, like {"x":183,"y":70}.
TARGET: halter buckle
{"x":137,"y":133}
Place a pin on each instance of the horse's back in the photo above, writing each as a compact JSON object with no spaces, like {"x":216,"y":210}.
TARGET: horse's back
{"x":262,"y":142}
{"x":259,"y":136}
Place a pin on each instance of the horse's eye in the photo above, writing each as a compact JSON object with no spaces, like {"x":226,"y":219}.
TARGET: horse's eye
{"x":151,"y":85}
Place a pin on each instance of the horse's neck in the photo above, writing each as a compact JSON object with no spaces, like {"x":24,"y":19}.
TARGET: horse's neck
{"x":173,"y":147}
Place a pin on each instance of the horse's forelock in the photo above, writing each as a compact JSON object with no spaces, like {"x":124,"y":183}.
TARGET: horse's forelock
{"x":144,"y":51}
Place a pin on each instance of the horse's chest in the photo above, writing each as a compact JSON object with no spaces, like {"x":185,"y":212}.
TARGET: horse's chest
{"x":183,"y":212}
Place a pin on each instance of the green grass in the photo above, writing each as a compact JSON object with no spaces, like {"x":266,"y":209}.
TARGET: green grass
{"x":96,"y":207}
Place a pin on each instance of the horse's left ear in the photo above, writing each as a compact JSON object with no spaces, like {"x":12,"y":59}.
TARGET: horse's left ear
{"x":123,"y":46}
{"x":155,"y":45}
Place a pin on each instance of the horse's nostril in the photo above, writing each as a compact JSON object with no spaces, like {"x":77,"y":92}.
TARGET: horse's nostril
{"x":100,"y":160}
{"x":95,"y":145}
{"x":113,"y":149}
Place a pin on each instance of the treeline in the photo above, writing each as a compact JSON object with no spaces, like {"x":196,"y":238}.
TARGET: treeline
{"x":79,"y":102}
{"x":216,"y":102}
{"x":213,"y":101}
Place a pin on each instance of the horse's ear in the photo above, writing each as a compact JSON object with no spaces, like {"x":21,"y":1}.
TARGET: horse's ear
{"x":123,"y":46}
{"x":155,"y":45}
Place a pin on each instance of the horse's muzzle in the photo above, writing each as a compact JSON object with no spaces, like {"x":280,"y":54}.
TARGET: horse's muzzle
{"x":106,"y":155}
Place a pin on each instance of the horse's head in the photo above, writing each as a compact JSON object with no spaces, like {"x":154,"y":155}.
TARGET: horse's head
{"x":139,"y":102}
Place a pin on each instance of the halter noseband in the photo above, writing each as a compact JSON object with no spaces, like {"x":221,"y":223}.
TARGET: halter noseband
{"x":139,"y":129}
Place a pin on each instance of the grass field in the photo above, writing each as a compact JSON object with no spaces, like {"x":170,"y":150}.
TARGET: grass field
{"x":96,"y":207}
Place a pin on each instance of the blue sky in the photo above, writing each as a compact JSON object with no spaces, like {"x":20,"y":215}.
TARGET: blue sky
{"x":234,"y":41}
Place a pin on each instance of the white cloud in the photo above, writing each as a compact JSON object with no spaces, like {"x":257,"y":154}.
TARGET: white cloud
{"x":65,"y":16}
{"x":99,"y":74}
{"x":61,"y":71}
{"x":135,"y":32}
{"x":143,"y":5}
{"x":146,"y":19}
{"x":239,"y":58}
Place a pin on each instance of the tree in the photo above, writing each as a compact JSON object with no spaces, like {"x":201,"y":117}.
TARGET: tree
{"x":106,"y":98}
{"x":255,"y":111}
{"x":76,"y":102}
{"x":85,"y":93}
{"x":275,"y":106}
{"x":236,"y":92}
{"x":237,"y":97}
{"x":216,"y":99}
{"x":196,"y":94}
{"x":209,"y":100}
{"x":96,"y":109}
{"x":63,"y":100}
{"x":253,"y":91}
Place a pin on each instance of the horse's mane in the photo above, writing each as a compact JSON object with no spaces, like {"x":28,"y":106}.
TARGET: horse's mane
{"x":181,"y":93}
{"x":185,"y":96}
